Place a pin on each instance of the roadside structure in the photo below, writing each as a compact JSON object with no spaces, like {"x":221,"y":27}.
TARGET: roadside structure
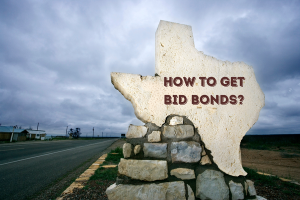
{"x":8,"y":133}
{"x":196,"y":110}
{"x":36,"y":134}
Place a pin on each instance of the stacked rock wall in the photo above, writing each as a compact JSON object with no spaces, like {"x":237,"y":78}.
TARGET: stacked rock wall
{"x":171,"y":162}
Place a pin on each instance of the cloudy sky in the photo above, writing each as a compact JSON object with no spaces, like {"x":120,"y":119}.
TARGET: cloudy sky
{"x":56,"y":57}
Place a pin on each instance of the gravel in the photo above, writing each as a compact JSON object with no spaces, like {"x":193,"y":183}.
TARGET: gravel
{"x":92,"y":191}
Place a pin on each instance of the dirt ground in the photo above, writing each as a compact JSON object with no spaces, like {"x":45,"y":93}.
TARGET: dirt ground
{"x":284,"y":164}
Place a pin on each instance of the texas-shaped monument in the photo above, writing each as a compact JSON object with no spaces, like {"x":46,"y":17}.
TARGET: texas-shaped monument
{"x":221,"y":126}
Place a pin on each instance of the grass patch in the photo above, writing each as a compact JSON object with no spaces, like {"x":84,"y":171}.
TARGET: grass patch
{"x":272,"y":181}
{"x":108,"y":173}
{"x":290,"y":155}
{"x":117,"y":150}
{"x":271,"y":142}
{"x":262,"y":179}
{"x":105,"y":174}
{"x":114,"y":158}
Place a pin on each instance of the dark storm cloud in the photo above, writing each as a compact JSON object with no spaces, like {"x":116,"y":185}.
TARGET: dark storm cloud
{"x":56,"y":57}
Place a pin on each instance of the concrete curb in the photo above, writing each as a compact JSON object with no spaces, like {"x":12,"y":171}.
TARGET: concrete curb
{"x":84,"y":177}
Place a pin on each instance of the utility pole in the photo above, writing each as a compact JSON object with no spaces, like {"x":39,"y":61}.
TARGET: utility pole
{"x":102,"y":134}
{"x":93,"y":132}
{"x":66,"y":131}
{"x":12,"y":134}
{"x":37,"y":128}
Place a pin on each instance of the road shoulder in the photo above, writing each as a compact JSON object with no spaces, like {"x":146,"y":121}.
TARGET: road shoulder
{"x":57,"y":187}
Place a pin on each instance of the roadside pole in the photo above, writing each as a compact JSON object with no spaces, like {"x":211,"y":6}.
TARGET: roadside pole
{"x":12,"y":134}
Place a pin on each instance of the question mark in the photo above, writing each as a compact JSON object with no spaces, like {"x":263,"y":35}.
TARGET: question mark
{"x":241,"y":97}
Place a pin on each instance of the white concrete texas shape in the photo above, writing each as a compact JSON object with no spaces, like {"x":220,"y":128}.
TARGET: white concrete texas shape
{"x":221,"y":127}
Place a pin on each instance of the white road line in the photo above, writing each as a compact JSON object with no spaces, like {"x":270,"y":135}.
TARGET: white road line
{"x":11,"y":149}
{"x":51,"y":153}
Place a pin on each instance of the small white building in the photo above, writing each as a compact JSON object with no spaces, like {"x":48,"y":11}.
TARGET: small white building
{"x":36,"y":134}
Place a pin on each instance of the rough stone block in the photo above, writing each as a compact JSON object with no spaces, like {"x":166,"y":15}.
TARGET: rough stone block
{"x":146,"y":170}
{"x":211,"y":185}
{"x":154,"y":136}
{"x":127,"y":148}
{"x":162,"y":191}
{"x":183,"y":173}
{"x":188,"y":152}
{"x":191,"y":195}
{"x":237,"y":190}
{"x":221,"y":127}
{"x":179,"y":131}
{"x":249,"y":187}
{"x":203,"y":151}
{"x":205,"y":160}
{"x":137,"y":149}
{"x":155,"y":150}
{"x":136,"y":131}
{"x":176,"y":120}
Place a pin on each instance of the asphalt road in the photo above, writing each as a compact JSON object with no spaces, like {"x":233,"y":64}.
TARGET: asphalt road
{"x":26,"y":167}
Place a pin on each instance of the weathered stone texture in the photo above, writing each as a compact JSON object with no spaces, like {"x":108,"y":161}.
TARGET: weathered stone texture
{"x":237,"y":190}
{"x":179,"y":131}
{"x":137,"y":149}
{"x":176,"y":120}
{"x":205,"y":160}
{"x":188,"y":152}
{"x":250,"y":188}
{"x":127,"y":148}
{"x":183,"y":173}
{"x":221,"y":127}
{"x":155,"y":150}
{"x":136,"y":131}
{"x":146,"y":170}
{"x":154,"y":136}
{"x":203,"y":153}
{"x":211,"y":185}
{"x":162,"y":191}
{"x":191,"y":195}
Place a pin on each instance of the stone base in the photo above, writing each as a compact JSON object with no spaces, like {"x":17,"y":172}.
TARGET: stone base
{"x":180,"y":165}
{"x":162,"y":191}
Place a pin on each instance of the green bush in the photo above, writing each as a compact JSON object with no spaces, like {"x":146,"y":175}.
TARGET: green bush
{"x":105,"y":174}
{"x":115,"y":158}
{"x":265,"y":180}
{"x":117,"y":150}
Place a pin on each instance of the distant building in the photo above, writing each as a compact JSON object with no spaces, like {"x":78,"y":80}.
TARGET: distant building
{"x":6,"y":133}
{"x":20,"y":134}
{"x":36,"y":134}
